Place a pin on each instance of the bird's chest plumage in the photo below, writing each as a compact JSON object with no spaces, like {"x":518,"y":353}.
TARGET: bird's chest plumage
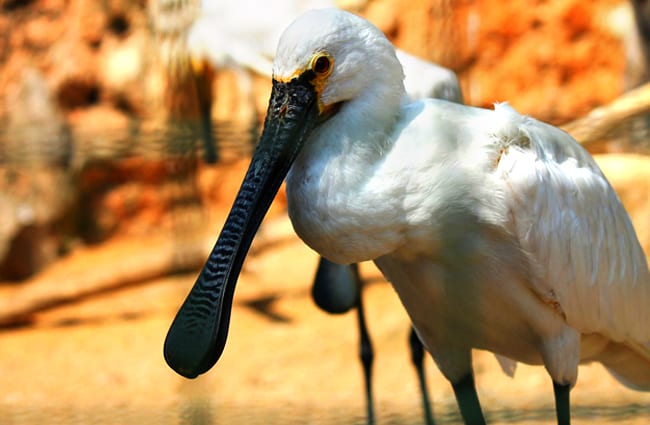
{"x":355,"y":196}
{"x":342,"y":215}
{"x":350,"y":214}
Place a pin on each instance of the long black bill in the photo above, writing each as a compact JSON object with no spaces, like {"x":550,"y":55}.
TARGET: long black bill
{"x":198,"y":334}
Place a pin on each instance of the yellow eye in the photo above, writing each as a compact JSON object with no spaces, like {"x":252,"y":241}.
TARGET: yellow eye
{"x":321,"y":64}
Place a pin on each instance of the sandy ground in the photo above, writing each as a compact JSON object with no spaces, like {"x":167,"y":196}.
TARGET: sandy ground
{"x":100,"y":361}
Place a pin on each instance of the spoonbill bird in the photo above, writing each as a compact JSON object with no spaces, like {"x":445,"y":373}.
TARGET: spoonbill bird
{"x":497,"y":231}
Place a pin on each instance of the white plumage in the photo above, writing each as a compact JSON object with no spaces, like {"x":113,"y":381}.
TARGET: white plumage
{"x":497,"y":231}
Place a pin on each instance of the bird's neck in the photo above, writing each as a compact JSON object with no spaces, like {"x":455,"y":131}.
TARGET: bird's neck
{"x":326,"y":187}
{"x":361,"y":130}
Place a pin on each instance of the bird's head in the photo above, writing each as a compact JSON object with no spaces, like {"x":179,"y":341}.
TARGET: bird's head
{"x":338,"y":55}
{"x":325,"y":59}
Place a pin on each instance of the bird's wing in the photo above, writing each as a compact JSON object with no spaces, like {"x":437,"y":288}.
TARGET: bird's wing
{"x":572,"y":224}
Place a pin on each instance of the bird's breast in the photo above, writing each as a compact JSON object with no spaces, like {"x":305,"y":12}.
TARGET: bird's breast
{"x":342,"y":213}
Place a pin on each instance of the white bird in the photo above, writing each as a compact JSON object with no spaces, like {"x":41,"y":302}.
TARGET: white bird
{"x":497,"y":231}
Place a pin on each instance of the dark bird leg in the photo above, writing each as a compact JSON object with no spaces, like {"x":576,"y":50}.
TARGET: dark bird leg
{"x":417,"y":357}
{"x":562,"y":403}
{"x":366,"y":353}
{"x":467,"y":398}
{"x":336,"y":290}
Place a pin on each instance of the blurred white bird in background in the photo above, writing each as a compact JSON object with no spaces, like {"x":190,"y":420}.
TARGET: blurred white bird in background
{"x":497,"y":231}
{"x":227,"y":35}
{"x":243,"y":34}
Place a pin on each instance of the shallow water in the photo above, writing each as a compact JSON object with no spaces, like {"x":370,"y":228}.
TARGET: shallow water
{"x":199,"y":412}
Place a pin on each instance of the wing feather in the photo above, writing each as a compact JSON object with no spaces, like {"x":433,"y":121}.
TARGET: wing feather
{"x":574,"y":227}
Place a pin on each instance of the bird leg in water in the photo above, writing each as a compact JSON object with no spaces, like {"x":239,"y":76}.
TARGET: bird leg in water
{"x":337,"y":289}
{"x":467,"y":398}
{"x":562,"y":403}
{"x":366,"y":352}
{"x":417,"y":357}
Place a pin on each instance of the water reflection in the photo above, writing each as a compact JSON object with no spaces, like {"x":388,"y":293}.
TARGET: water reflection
{"x":196,"y":412}
{"x":202,"y":412}
{"x":138,"y":139}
